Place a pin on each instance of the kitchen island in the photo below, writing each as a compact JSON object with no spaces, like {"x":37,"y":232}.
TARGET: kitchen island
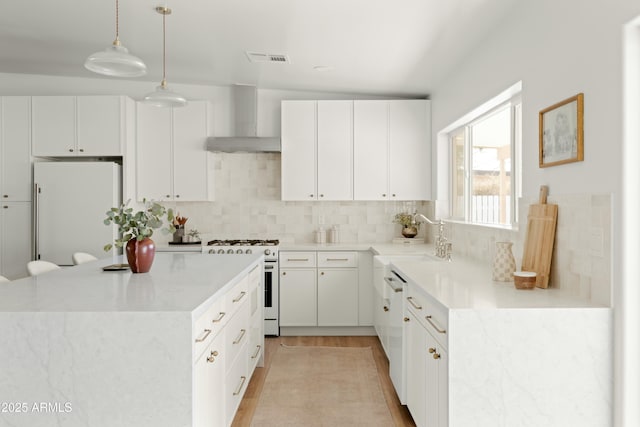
{"x":80,"y":346}
{"x":484,"y":353}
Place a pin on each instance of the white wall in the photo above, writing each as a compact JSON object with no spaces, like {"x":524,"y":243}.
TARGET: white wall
{"x":557,"y":49}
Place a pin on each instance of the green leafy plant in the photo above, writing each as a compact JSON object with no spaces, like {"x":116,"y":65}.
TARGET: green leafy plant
{"x":138,"y":225}
{"x":406,"y":220}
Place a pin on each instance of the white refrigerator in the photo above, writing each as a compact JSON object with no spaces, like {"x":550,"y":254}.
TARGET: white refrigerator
{"x":70,"y":204}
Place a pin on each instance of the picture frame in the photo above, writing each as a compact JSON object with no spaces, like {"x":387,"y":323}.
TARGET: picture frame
{"x":562,"y":132}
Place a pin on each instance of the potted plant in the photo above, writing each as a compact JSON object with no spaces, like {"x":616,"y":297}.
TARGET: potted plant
{"x":135,"y":231}
{"x":409,"y":226}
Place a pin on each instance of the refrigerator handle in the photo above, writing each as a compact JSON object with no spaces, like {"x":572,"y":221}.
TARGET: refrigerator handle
{"x":36,"y":221}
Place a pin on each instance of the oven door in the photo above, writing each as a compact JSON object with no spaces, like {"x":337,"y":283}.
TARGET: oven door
{"x":271,"y":326}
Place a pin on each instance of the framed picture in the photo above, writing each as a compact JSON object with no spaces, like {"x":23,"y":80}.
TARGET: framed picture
{"x":561,"y":132}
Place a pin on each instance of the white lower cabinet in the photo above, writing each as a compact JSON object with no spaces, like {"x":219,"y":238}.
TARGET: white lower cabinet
{"x":337,"y":297}
{"x":228,"y":341}
{"x":416,"y":369}
{"x":298,"y":297}
{"x":209,"y":385}
{"x":426,"y":361}
{"x":15,"y":239}
{"x":319,"y":289}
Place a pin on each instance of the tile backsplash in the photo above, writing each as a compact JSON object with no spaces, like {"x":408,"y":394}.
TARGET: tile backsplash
{"x":247,"y":205}
{"x":581,"y":261}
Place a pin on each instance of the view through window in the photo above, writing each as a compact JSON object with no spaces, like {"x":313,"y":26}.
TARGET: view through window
{"x":485,"y":174}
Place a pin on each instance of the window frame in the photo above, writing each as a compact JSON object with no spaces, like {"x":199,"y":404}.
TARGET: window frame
{"x":514,"y":104}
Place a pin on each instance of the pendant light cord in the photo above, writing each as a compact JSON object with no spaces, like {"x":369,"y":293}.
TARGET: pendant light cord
{"x":116,"y":42}
{"x":164,"y":50}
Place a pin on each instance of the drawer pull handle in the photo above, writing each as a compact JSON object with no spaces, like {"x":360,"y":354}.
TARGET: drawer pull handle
{"x":257,"y":352}
{"x":212,"y":357}
{"x":406,"y":319}
{"x":432,"y":350}
{"x":416,"y":306}
{"x":436,"y":356}
{"x":239,"y":389}
{"x":442,"y":331}
{"x":222,"y":313}
{"x":337,"y":259}
{"x":239,"y":297}
{"x":204,"y":336}
{"x":298,"y":259}
{"x":385,"y":308}
{"x":240,"y":336}
{"x":390,"y":281}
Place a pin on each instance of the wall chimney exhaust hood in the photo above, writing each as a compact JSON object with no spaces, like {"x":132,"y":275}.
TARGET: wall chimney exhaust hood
{"x":245,"y":106}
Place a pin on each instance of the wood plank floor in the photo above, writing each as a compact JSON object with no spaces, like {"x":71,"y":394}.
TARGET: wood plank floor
{"x":400,"y":414}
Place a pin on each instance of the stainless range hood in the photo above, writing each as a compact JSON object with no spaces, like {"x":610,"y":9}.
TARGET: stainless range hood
{"x":245,"y":108}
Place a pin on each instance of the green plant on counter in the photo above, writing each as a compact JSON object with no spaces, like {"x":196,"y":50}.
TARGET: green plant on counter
{"x":406,"y":220}
{"x":138,"y":225}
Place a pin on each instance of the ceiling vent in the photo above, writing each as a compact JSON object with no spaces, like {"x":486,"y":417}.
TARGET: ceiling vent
{"x":257,"y":57}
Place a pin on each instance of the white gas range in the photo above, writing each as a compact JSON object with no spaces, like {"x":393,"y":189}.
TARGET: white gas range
{"x":270,"y":250}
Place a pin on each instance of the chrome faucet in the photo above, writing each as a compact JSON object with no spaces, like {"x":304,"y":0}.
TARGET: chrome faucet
{"x":443,"y":247}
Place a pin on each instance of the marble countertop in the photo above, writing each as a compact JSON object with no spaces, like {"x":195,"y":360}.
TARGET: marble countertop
{"x":467,"y":284}
{"x":176,"y":282}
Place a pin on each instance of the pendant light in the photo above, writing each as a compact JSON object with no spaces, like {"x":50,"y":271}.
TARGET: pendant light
{"x":115,"y":60}
{"x":163,"y":96}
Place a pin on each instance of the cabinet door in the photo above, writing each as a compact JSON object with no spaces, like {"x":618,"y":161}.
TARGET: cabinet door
{"x":15,"y":141}
{"x":370,"y":150}
{"x":337,"y":297}
{"x":298,"y":300}
{"x":298,"y":150}
{"x":153,"y":154}
{"x":15,"y":239}
{"x":53,"y":125}
{"x":335,"y":150}
{"x":409,"y":147}
{"x":99,"y":126}
{"x":189,"y":152}
{"x":436,"y":380}
{"x":208,"y":386}
{"x":416,"y":353}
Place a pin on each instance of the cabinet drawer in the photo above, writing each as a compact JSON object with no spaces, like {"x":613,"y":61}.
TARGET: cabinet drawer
{"x":237,"y":333}
{"x":207,"y":326}
{"x":337,"y":259}
{"x":237,"y":296}
{"x":236,"y":382}
{"x":429,"y":313}
{"x":297,"y":259}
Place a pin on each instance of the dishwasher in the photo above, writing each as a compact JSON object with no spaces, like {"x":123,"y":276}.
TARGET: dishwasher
{"x":397,"y":367}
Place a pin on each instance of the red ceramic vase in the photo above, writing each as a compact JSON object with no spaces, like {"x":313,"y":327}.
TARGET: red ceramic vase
{"x":140,"y":254}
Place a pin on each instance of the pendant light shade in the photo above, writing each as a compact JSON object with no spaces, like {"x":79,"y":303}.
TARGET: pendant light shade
{"x":115,"y":60}
{"x":163,"y":96}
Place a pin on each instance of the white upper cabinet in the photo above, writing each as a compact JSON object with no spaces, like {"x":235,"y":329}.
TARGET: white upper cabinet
{"x":298,"y":150}
{"x":88,"y":126}
{"x":371,"y":150}
{"x":15,"y":149}
{"x":335,"y":150}
{"x":317,"y":144}
{"x":409,"y":149}
{"x":392,"y":153}
{"x":100,"y":127}
{"x":171,"y":157}
{"x":356,"y":150}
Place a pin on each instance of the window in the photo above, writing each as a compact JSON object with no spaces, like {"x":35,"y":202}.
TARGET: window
{"x":485,"y":166}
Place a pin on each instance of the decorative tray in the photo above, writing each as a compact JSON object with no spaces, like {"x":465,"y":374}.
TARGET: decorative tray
{"x":116,"y":267}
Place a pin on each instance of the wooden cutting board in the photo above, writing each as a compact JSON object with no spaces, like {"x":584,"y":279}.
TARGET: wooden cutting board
{"x":538,"y":244}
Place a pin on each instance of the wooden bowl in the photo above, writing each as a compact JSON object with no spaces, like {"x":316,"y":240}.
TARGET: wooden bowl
{"x":524,"y":279}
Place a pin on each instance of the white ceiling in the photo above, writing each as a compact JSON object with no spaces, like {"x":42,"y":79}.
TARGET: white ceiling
{"x":383,"y":47}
